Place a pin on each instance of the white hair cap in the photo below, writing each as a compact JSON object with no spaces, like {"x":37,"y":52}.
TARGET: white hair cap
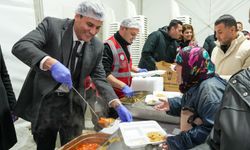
{"x":131,"y":23}
{"x":91,"y":9}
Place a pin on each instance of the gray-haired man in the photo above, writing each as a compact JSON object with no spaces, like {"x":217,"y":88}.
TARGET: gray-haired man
{"x":61,"y":54}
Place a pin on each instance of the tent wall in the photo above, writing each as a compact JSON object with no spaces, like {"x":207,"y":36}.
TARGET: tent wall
{"x":159,"y":12}
{"x":17,"y":17}
{"x":205,"y":12}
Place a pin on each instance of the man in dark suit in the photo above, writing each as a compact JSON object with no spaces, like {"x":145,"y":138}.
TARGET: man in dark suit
{"x":7,"y":103}
{"x":61,"y":54}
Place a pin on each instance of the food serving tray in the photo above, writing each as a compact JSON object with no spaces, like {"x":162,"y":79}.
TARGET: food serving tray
{"x":138,"y":96}
{"x":135,"y":134}
{"x":88,"y":138}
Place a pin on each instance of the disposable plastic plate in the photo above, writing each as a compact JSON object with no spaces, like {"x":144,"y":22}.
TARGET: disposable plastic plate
{"x":135,"y":133}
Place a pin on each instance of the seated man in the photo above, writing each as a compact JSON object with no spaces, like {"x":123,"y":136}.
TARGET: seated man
{"x":232,"y":51}
{"x":202,"y":92}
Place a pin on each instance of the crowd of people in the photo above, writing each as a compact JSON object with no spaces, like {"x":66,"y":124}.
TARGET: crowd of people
{"x":65,"y":59}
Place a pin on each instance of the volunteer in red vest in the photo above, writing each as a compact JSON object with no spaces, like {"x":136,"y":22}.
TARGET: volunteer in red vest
{"x":117,"y":60}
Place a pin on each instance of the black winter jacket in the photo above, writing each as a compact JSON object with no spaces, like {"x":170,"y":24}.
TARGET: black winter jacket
{"x":232,"y":125}
{"x":158,"y":47}
{"x":209,"y":44}
{"x":7,"y":104}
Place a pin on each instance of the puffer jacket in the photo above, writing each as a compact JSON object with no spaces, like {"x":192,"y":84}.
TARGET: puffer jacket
{"x":158,"y":47}
{"x":232,"y":125}
{"x":237,"y":57}
{"x":205,"y":100}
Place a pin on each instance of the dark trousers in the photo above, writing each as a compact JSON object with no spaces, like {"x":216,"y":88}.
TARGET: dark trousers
{"x":59,"y":113}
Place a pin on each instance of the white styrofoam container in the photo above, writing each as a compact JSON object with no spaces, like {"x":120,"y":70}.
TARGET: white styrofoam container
{"x":148,"y":74}
{"x":135,"y":133}
{"x":147,"y":84}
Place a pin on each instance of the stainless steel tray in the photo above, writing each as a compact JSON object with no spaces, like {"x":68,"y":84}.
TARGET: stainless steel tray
{"x":138,"y":96}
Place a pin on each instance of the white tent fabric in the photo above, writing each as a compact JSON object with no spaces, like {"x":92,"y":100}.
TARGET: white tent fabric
{"x":203,"y":13}
{"x":17,"y":17}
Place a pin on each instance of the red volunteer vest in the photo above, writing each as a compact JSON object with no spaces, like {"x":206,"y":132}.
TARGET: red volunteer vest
{"x":121,"y":67}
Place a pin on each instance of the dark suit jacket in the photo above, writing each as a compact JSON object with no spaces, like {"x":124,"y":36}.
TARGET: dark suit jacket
{"x":7,"y":103}
{"x":54,"y":37}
